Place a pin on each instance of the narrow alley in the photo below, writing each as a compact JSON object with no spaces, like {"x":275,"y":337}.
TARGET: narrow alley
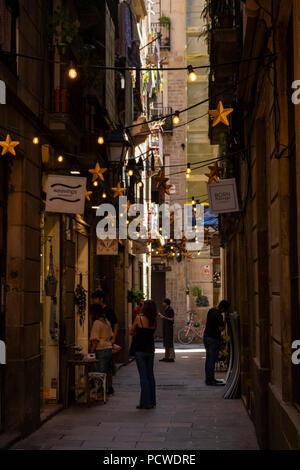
{"x":189,"y":415}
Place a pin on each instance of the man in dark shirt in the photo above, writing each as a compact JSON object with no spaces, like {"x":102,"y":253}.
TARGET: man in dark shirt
{"x":99,"y":298}
{"x":212,"y":340}
{"x":168,"y":335}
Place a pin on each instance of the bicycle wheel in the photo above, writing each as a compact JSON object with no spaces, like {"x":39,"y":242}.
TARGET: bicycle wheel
{"x":185,"y":336}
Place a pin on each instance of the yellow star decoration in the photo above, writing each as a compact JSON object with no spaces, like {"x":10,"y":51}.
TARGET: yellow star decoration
{"x":97,"y":172}
{"x":161,"y":183}
{"x":118,"y":191}
{"x":220,"y":114}
{"x":8,"y":146}
{"x":214,"y":174}
{"x":161,"y":252}
{"x":88,"y":194}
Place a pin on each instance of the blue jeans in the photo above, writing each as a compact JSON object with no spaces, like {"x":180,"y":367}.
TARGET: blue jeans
{"x":104,"y":357}
{"x":212,"y":347}
{"x":145,"y":362}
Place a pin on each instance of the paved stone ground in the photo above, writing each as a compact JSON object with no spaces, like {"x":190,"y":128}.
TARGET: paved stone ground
{"x":189,"y":415}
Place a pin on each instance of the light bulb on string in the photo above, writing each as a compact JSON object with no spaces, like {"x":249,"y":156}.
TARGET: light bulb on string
{"x":95,"y":183}
{"x":100,"y":140}
{"x":192,"y":75}
{"x":104,"y":195}
{"x":176,"y":118}
{"x":72,"y":72}
{"x":36,"y":140}
{"x":188,"y":171}
{"x":130,"y":172}
{"x":140,"y":184}
{"x":193,"y":201}
{"x":60,"y":158}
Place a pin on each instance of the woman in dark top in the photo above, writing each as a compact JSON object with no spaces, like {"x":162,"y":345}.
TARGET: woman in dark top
{"x":143,"y":330}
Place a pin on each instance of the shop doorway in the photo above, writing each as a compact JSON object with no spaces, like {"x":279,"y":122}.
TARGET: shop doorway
{"x":50,"y":300}
{"x":82,"y":290}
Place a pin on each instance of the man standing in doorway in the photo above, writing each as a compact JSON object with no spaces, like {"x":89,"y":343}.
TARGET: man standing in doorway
{"x":99,"y":298}
{"x":212,"y":340}
{"x":168,"y":334}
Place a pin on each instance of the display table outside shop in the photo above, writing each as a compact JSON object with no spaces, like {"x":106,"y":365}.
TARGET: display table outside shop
{"x":87,"y":364}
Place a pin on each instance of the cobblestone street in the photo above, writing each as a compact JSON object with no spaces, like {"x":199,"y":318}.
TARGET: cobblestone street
{"x":189,"y":415}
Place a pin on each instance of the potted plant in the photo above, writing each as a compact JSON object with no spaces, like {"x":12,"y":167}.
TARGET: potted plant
{"x":63,"y":29}
{"x":151,"y":36}
{"x":164,"y":20}
{"x":218,"y":13}
{"x":134,"y":296}
{"x":201,"y":300}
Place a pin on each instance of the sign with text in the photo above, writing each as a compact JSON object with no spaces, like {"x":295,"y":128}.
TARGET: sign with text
{"x":2,"y":92}
{"x":222,"y":196}
{"x":161,"y":268}
{"x":66,"y":194}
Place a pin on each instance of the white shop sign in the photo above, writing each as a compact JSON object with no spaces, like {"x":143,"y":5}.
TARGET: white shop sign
{"x":66,"y":194}
{"x":2,"y":92}
{"x":222,"y":196}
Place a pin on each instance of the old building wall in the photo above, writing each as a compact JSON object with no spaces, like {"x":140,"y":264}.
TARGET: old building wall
{"x":259,"y":253}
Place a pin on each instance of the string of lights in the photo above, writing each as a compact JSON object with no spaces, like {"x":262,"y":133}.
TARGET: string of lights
{"x":188,"y":68}
{"x":176,"y":114}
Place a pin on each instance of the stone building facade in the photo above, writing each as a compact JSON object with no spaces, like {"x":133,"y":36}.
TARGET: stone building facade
{"x":262,"y":243}
{"x":67,"y":117}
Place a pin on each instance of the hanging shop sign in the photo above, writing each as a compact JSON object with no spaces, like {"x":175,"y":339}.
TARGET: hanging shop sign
{"x":107,"y":247}
{"x":66,"y":194}
{"x":2,"y":92}
{"x":161,"y":268}
{"x":222,"y":196}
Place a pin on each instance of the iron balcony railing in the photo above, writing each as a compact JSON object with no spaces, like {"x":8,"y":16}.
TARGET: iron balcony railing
{"x":225,"y":13}
{"x":157,"y":112}
{"x":163,"y":30}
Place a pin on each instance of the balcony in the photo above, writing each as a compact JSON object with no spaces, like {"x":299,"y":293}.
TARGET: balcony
{"x":157,"y":112}
{"x":225,"y":37}
{"x":163,"y":30}
{"x":65,"y":114}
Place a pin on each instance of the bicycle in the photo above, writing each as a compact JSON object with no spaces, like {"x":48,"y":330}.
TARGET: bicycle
{"x":192,"y":330}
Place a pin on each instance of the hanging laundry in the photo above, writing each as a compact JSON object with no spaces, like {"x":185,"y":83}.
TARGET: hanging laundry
{"x":157,"y":63}
{"x":151,"y":83}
